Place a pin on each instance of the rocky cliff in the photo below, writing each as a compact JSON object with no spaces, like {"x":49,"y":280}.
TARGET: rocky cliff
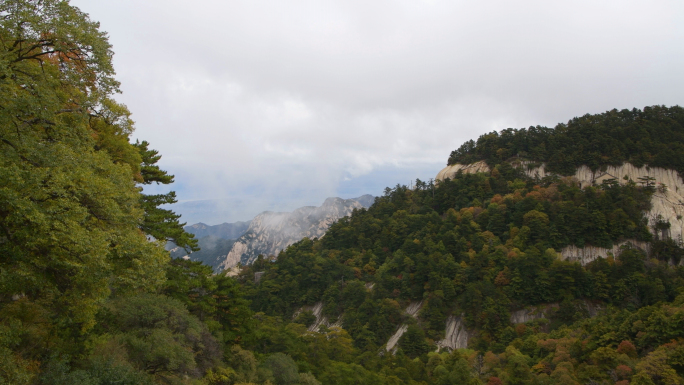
{"x":412,"y":311}
{"x":667,"y":203}
{"x":456,"y":335}
{"x":271,"y":232}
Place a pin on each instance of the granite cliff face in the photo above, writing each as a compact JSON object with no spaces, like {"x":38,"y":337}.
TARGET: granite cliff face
{"x":667,"y":203}
{"x":271,"y":232}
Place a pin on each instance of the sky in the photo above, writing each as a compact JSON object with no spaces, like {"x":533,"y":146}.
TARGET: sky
{"x":272,"y":105}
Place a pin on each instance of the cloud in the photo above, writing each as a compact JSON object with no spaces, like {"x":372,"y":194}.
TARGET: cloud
{"x":282,"y":104}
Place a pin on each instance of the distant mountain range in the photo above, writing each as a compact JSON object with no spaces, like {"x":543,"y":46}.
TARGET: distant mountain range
{"x":224,"y":246}
{"x":223,"y":231}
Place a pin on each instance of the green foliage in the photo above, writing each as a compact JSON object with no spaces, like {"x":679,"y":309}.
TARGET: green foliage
{"x":479,"y":246}
{"x":160,"y":337}
{"x":86,"y":298}
{"x":162,"y":224}
{"x":305,"y":318}
{"x":481,"y":260}
{"x":413,"y":342}
{"x":214,"y":299}
{"x":96,"y":372}
{"x":653,"y":136}
{"x":69,"y":207}
{"x":283,"y":369}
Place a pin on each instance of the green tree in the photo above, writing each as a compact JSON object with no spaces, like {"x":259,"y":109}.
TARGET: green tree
{"x":283,"y":368}
{"x":161,"y":223}
{"x":413,"y":342}
{"x":69,"y":207}
{"x":160,"y":336}
{"x":71,"y":211}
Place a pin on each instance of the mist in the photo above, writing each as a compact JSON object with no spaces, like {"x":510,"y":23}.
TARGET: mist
{"x":260,"y":105}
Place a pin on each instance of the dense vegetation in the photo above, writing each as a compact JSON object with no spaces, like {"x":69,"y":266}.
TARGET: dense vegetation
{"x":481,"y":245}
{"x":89,"y":296}
{"x":654,"y":137}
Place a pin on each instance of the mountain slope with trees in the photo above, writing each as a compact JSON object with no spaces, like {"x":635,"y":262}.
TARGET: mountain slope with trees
{"x":652,"y":136}
{"x":88,"y":295}
{"x":481,"y":246}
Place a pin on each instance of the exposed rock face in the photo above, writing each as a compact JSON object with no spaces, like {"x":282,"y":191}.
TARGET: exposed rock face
{"x":587,"y":254}
{"x":317,"y":310}
{"x":412,"y":310}
{"x":271,"y":232}
{"x":531,"y":313}
{"x":451,"y":171}
{"x":456,"y":335}
{"x":667,"y":202}
{"x":394,"y":340}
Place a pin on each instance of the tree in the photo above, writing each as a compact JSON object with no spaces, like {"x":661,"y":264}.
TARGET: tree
{"x":160,"y":336}
{"x":69,"y":207}
{"x":70,"y":210}
{"x":161,"y":223}
{"x":283,"y":367}
{"x":413,"y":342}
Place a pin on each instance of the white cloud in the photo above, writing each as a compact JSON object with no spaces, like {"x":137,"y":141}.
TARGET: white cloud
{"x":268,"y":101}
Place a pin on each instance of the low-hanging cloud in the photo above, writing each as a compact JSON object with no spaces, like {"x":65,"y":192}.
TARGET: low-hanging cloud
{"x":281,"y":104}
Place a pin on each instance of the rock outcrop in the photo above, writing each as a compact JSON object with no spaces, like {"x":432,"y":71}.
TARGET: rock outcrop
{"x":451,"y":171}
{"x":667,"y":203}
{"x":531,"y":313}
{"x":271,"y":232}
{"x":456,"y":335}
{"x":587,"y":254}
{"x":412,"y":310}
{"x":321,"y":320}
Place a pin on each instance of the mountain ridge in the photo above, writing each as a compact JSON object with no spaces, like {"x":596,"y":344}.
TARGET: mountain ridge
{"x":225,"y":245}
{"x":224,"y":230}
{"x":270,"y":232}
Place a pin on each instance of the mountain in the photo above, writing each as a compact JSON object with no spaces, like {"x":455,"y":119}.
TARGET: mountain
{"x":222,"y":231}
{"x":211,"y":250}
{"x":664,"y":217}
{"x":271,"y":232}
{"x":540,"y":256}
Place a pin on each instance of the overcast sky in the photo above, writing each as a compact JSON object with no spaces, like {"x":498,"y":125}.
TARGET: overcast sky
{"x":259,"y":105}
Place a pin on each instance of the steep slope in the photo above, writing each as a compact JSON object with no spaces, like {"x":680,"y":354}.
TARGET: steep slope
{"x":271,"y":232}
{"x":494,"y":244}
{"x":665,"y":216}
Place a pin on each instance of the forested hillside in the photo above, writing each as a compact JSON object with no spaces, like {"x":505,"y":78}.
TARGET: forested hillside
{"x":88,"y":295}
{"x":652,"y":136}
{"x":482,"y":248}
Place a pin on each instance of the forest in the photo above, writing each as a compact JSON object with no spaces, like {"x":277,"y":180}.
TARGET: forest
{"x":89,"y":295}
{"x":651,"y":136}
